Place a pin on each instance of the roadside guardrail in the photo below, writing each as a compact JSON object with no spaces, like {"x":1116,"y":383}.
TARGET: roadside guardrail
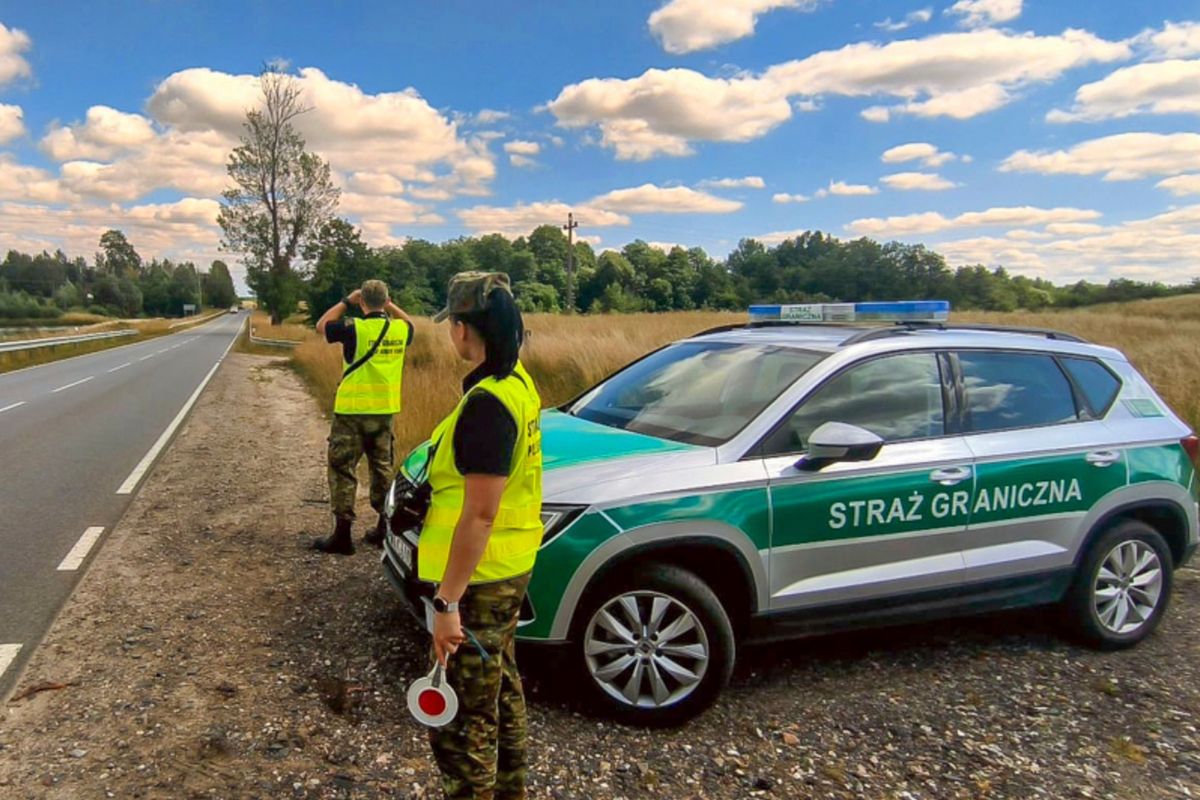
{"x":195,"y":320}
{"x":271,"y":342}
{"x":33,"y":344}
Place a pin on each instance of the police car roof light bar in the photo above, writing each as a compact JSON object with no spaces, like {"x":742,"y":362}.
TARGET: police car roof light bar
{"x":825,"y":313}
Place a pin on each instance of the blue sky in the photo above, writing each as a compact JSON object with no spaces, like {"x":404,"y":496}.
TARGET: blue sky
{"x":1053,"y":138}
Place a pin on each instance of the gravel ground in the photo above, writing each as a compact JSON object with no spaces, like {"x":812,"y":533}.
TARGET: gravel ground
{"x":209,"y":655}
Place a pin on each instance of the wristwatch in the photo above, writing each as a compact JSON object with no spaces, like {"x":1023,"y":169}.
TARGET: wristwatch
{"x":346,"y":302}
{"x":443,"y":606}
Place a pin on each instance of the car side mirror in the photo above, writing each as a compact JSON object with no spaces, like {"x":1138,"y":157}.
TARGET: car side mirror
{"x":837,"y":441}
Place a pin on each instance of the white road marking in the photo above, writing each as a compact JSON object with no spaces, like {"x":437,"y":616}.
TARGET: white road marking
{"x":79,"y":552}
{"x":11,"y":407}
{"x":165,"y":349}
{"x":69,"y":385}
{"x":123,"y":366}
{"x":7,"y":653}
{"x":148,"y":460}
{"x":143,"y":358}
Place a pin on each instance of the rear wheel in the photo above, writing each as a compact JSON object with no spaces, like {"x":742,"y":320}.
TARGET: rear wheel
{"x":1122,"y":588}
{"x":655,"y":646}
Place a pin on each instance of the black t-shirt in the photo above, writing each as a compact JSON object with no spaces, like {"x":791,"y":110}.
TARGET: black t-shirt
{"x":485,"y":435}
{"x":342,"y":330}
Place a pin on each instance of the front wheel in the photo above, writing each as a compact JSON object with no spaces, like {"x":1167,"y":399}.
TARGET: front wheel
{"x":655,"y":646}
{"x":1122,"y":588}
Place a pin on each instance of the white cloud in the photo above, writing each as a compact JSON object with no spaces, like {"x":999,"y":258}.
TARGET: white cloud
{"x":105,"y":133}
{"x":489,"y":116}
{"x":917,"y":181}
{"x":12,"y":123}
{"x":521,"y":161}
{"x":775,"y":237}
{"x":748,"y":182}
{"x":1181,"y":185}
{"x":959,"y":75}
{"x":920,"y":16}
{"x":1161,"y":247}
{"x":978,"y":13}
{"x":520,"y":219}
{"x":665,"y":247}
{"x":1121,"y":157}
{"x":784,"y":197}
{"x":876,"y":114}
{"x":684,"y":26}
{"x":1175,"y":40}
{"x":659,"y":112}
{"x":522,"y":147}
{"x":934,"y":222}
{"x":386,"y":208}
{"x":651,"y":199}
{"x":21,"y":182}
{"x":846,"y":189}
{"x":1156,"y":87}
{"x":13,"y":42}
{"x":375,"y":183}
{"x":929,"y":155}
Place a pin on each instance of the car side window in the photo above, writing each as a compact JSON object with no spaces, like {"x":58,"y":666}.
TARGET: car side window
{"x":1014,"y":390}
{"x":1098,"y":385}
{"x":895,"y":397}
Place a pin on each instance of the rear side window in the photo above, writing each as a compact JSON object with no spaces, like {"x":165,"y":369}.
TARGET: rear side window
{"x":1014,"y":390}
{"x":1098,"y":385}
{"x":895,"y":397}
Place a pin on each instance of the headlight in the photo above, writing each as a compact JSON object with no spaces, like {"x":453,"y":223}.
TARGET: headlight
{"x":556,"y":519}
{"x":389,"y":502}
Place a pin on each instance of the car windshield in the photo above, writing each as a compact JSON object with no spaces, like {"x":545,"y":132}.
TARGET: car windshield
{"x":695,"y":392}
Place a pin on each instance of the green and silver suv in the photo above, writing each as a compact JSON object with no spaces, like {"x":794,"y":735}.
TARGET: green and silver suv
{"x":778,"y":480}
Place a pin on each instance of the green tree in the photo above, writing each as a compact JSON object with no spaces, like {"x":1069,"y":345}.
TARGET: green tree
{"x":280,"y":198}
{"x":341,"y":262}
{"x":218,"y":286}
{"x":117,"y":256}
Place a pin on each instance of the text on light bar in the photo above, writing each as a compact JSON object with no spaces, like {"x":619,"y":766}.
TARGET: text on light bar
{"x":891,"y":311}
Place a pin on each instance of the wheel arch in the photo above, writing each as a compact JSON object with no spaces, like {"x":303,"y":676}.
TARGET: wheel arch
{"x":1164,"y":512}
{"x":721,"y":556}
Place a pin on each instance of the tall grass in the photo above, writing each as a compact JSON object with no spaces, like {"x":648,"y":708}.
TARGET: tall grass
{"x":566,"y":355}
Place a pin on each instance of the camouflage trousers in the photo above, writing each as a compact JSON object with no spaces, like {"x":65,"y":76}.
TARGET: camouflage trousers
{"x":481,"y":753}
{"x":351,"y":436}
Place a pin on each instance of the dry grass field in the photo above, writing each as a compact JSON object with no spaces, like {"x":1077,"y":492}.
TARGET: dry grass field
{"x":568,"y":354}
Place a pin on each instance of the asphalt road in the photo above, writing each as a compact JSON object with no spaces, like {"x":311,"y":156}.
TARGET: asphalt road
{"x":76,"y":438}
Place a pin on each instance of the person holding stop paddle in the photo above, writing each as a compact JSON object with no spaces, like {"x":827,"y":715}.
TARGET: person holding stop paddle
{"x":480,"y":539}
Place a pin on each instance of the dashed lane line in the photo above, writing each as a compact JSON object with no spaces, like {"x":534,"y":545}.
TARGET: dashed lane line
{"x":79,"y":552}
{"x":148,"y":460}
{"x":70,"y":385}
{"x":11,"y":407}
{"x":143,"y":358}
{"x":123,"y":366}
{"x":8,"y":652}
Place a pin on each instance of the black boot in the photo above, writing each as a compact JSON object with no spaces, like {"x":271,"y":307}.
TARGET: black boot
{"x":375,"y":537}
{"x":338,"y":542}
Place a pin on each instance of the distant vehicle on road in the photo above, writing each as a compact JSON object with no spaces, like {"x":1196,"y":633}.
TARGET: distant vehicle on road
{"x":805,"y":473}
{"x":235,"y":309}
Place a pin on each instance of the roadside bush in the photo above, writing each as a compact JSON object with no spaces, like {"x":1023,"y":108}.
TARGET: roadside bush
{"x":18,"y":305}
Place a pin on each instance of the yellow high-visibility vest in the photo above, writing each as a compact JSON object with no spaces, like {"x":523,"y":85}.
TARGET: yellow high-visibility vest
{"x":517,"y":530}
{"x":374,"y":388}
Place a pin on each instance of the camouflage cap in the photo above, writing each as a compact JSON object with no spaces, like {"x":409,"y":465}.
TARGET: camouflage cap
{"x":469,"y":292}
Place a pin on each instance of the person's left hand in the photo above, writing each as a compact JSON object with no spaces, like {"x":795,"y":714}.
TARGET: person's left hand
{"x":447,"y":635}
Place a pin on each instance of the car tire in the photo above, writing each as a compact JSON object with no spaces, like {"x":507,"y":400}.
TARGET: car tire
{"x":685,"y":633}
{"x":1127,"y":564}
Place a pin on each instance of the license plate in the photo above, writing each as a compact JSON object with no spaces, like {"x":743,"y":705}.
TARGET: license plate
{"x":404,"y":552}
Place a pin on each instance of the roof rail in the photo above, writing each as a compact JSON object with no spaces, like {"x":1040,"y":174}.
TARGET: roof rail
{"x":746,"y":326}
{"x":903,"y":328}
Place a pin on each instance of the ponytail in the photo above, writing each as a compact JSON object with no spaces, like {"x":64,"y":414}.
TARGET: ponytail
{"x":502,"y":329}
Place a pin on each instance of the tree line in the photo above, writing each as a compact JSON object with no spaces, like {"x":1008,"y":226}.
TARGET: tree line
{"x":118,"y":282}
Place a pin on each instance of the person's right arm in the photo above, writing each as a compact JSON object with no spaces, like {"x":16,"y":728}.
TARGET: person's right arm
{"x":396,"y":312}
{"x":338,"y":310}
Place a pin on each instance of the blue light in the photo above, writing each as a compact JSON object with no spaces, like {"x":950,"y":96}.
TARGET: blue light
{"x":889,"y":311}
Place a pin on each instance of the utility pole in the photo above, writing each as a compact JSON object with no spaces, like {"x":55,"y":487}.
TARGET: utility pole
{"x":570,"y":229}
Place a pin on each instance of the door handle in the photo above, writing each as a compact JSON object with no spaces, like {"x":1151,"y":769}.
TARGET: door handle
{"x":950,"y":476}
{"x":1102,"y":458}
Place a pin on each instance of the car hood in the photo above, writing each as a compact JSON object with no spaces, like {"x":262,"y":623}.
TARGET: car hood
{"x":577,"y":454}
